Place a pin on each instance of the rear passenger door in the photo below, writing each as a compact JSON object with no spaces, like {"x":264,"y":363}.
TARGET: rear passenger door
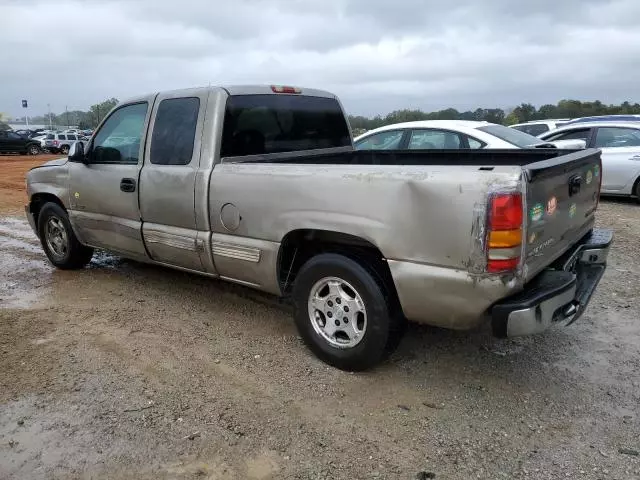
{"x":167,"y":180}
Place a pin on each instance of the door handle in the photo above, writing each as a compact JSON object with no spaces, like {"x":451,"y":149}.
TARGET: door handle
{"x":128,"y":185}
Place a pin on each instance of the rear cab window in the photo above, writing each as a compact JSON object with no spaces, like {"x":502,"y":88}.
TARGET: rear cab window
{"x":267,"y":124}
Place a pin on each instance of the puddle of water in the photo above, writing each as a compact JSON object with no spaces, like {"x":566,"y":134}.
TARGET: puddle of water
{"x":7,"y":243}
{"x":23,"y":280}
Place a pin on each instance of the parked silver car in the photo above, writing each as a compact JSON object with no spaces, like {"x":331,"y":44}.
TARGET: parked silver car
{"x":60,"y":142}
{"x":620,"y":145}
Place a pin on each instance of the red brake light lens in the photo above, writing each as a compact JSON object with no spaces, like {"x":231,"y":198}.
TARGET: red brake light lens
{"x":282,"y":89}
{"x":498,"y":266}
{"x":506,"y":212}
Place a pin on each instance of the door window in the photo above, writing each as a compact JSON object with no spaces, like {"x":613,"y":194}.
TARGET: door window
{"x":434,"y":139}
{"x":118,"y":141}
{"x":71,"y":137}
{"x":13,"y":136}
{"x":174,"y":131}
{"x":381,"y":141}
{"x":617,"y":137}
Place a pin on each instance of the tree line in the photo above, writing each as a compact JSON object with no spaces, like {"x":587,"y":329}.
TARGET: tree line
{"x":524,"y":112}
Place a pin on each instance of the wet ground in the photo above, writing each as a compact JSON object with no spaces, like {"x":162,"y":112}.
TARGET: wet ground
{"x":124,"y":370}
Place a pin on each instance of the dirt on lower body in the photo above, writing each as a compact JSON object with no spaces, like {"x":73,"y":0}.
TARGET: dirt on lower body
{"x":123,"y":370}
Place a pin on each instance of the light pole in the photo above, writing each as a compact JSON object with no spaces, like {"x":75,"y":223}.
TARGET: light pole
{"x":26,"y":113}
{"x":49,"y":109}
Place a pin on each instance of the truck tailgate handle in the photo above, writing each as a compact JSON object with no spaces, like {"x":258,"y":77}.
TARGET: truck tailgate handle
{"x":128,"y":185}
{"x":574,"y":185}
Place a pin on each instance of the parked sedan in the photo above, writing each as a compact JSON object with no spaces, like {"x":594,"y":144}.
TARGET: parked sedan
{"x":620,"y":145}
{"x":449,"y":134}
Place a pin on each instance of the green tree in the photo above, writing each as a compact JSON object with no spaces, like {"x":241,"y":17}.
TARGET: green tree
{"x":98,"y":111}
{"x":3,"y":124}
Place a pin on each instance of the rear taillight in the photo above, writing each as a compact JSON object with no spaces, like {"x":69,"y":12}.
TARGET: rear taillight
{"x":504,"y":237}
{"x":282,"y":89}
{"x":599,"y":173}
{"x":55,"y":143}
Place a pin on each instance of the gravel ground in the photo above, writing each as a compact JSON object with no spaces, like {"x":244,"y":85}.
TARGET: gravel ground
{"x":124,"y":370}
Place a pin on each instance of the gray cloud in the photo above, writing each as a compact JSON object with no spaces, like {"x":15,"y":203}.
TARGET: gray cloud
{"x":377,"y":55}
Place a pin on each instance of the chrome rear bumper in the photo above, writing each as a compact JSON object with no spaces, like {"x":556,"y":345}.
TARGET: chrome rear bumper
{"x":558,"y":295}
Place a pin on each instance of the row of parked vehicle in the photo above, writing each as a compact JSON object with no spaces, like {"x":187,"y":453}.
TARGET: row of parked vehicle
{"x":618,"y":137}
{"x":33,"y":142}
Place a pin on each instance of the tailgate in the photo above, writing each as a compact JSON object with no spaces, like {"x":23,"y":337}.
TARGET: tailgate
{"x":562,"y":196}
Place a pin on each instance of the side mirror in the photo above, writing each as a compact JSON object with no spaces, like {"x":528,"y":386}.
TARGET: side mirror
{"x":76,"y":152}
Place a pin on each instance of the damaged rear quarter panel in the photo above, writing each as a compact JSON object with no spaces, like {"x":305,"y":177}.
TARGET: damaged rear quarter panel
{"x":415,"y":215}
{"x":421,"y":214}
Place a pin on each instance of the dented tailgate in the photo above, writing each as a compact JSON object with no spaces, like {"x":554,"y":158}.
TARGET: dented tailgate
{"x":562,"y":196}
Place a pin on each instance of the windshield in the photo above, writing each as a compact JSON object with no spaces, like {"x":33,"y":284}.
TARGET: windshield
{"x":511,"y":135}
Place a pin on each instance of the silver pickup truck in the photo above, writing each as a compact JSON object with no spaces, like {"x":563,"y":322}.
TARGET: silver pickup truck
{"x":261,"y":186}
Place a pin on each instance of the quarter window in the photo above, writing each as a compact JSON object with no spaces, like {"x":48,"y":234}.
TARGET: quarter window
{"x":174,"y":131}
{"x":578,"y":134}
{"x":118,"y":141}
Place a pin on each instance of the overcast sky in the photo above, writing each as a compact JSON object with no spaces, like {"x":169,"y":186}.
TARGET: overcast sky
{"x":377,"y":55}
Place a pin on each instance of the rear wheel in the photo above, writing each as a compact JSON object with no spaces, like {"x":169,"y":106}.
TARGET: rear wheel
{"x":344,"y":313}
{"x":58,"y":240}
{"x":64,"y":149}
{"x":636,"y":190}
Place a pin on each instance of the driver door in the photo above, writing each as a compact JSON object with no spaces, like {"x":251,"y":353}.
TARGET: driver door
{"x":103,"y":193}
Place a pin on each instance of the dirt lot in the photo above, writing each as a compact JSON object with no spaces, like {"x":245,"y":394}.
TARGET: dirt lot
{"x":12,"y":172}
{"x":123,"y":370}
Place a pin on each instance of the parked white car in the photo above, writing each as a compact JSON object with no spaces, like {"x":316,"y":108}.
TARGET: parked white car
{"x":450,"y":134}
{"x":620,"y":145}
{"x":540,"y":127}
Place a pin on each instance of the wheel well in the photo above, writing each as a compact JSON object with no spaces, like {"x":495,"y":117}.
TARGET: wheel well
{"x":39,"y":199}
{"x":299,"y":246}
{"x":635,"y":189}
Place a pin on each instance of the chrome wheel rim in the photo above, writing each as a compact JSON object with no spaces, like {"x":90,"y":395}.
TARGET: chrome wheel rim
{"x":56,"y":237}
{"x":337,"y":312}
{"x":33,"y":150}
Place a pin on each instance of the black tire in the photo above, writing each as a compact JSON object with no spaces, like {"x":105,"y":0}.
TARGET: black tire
{"x":33,"y":150}
{"x":636,"y":190}
{"x":64,"y":149}
{"x":383,"y":320}
{"x":75,"y":255}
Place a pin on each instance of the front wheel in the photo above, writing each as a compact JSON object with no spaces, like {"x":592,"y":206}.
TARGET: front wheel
{"x":344,"y":313}
{"x":33,"y":150}
{"x":58,"y":240}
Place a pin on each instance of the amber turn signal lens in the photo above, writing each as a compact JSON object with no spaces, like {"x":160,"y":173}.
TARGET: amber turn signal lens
{"x":505,"y":238}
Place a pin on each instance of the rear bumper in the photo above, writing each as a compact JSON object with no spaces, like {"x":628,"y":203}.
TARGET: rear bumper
{"x":558,"y":295}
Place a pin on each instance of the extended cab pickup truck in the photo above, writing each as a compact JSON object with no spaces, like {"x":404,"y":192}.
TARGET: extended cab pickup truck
{"x":261,"y":186}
